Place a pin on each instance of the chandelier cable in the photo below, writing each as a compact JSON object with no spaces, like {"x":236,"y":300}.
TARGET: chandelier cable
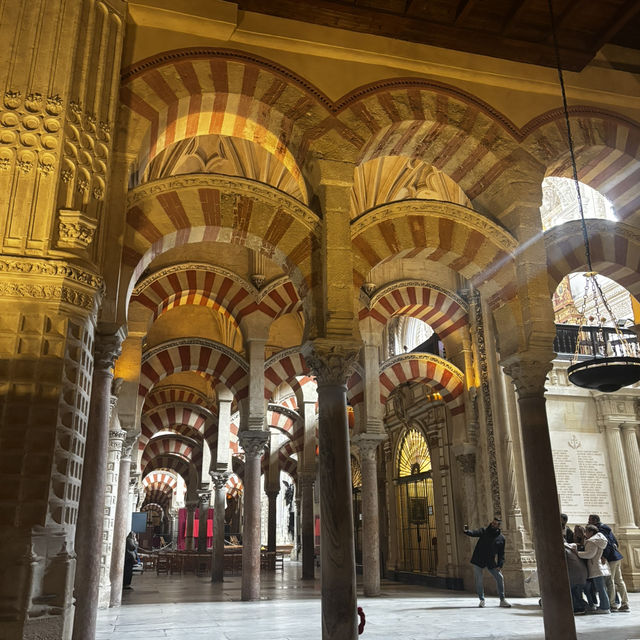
{"x":585,"y":235}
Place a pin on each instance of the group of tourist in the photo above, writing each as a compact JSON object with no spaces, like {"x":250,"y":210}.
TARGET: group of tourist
{"x":593,"y":560}
{"x":595,"y":572}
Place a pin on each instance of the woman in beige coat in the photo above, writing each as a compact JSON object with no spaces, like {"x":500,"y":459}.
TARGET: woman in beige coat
{"x":594,"y":545}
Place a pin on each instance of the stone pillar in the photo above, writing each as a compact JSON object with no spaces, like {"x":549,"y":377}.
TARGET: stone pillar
{"x":391,"y":499}
{"x":529,"y":378}
{"x":368,"y":446}
{"x":122,"y":524}
{"x":191,"y":511}
{"x":331,"y":363}
{"x":204,"y":496}
{"x":89,"y":528}
{"x":116,"y":440}
{"x":632,"y":455}
{"x":219,"y":480}
{"x":272,"y":495}
{"x":619,"y":476}
{"x":307,"y":527}
{"x":253,"y":443}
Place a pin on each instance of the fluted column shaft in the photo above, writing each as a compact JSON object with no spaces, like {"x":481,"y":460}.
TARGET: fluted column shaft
{"x":88,"y":543}
{"x":619,"y":473}
{"x":370,"y":515}
{"x":253,"y":443}
{"x":529,"y":378}
{"x":121,"y":525}
{"x":219,"y":480}
{"x":632,"y":455}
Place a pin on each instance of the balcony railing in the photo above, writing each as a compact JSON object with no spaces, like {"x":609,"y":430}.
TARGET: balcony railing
{"x":595,"y":342}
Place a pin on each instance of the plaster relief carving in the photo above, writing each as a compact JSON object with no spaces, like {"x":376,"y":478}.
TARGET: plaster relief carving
{"x":75,"y":230}
{"x":30,"y":131}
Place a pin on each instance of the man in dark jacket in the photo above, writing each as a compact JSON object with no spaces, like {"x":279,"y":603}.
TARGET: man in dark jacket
{"x":614,"y":582}
{"x":489,"y":554}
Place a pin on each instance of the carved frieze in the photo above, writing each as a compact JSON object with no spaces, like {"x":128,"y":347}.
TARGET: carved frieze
{"x":53,"y":280}
{"x":75,"y":229}
{"x":30,"y":130}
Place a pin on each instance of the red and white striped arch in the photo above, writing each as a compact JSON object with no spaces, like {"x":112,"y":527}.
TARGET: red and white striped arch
{"x":443,"y":311}
{"x":205,"y":356}
{"x":175,"y":211}
{"x":168,"y":462}
{"x":153,"y":506}
{"x":190,"y":92}
{"x":355,"y":388}
{"x":166,"y":445}
{"x":607,"y":147}
{"x":441,"y":125}
{"x":215,"y":288}
{"x":234,"y":486}
{"x":439,"y":374}
{"x":450,"y":234}
{"x":615,"y":252}
{"x":159,"y":494}
{"x":171,"y":417}
{"x":284,"y":366}
{"x":159,"y":478}
{"x":174,"y":394}
{"x":282,"y":422}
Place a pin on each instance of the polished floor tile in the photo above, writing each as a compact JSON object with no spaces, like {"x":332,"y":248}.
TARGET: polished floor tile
{"x":191,"y":608}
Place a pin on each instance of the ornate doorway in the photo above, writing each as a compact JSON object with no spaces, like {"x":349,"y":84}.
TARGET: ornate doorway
{"x":416,"y":512}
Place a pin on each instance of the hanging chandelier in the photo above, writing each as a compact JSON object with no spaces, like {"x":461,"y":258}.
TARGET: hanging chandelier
{"x":604,"y":358}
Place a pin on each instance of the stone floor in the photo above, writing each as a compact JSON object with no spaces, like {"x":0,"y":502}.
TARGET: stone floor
{"x":191,"y":608}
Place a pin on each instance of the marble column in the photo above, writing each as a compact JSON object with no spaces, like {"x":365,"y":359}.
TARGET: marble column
{"x":204,"y":496}
{"x":307,"y":527}
{"x":191,"y":512}
{"x":632,"y":455}
{"x":368,"y":446}
{"x":88,"y":542}
{"x":122,"y":524}
{"x":253,"y":442}
{"x":272,"y":518}
{"x":619,"y":476}
{"x":331,"y":363}
{"x":219,"y":479}
{"x":116,"y":440}
{"x":529,"y":378}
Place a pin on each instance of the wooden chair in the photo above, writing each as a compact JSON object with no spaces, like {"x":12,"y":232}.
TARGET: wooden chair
{"x":163,"y":565}
{"x":278,"y":561}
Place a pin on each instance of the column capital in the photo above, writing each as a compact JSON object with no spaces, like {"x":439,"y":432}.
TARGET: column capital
{"x":107,"y":349}
{"x":528,"y":373}
{"x":204,"y":496}
{"x":253,"y":441}
{"x":368,"y":444}
{"x":219,"y":478}
{"x":272,"y":493}
{"x":191,"y":504}
{"x":331,"y":360}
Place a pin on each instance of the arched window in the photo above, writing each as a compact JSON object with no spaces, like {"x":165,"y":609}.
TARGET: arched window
{"x":416,"y":511}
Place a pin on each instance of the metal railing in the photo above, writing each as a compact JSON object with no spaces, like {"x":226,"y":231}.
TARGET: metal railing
{"x":595,"y":342}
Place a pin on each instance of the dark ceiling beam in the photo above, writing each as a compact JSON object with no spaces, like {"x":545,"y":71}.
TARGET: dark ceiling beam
{"x":631,"y":11}
{"x":512,"y":16}
{"x":462,"y":10}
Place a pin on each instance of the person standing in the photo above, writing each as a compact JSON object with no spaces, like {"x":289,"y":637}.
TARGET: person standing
{"x":489,"y":554}
{"x":594,"y":545}
{"x":614,"y":582}
{"x":567,"y":534}
{"x":130,"y":559}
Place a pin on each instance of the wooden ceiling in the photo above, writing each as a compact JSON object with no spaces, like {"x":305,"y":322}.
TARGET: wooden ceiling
{"x":510,"y":29}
